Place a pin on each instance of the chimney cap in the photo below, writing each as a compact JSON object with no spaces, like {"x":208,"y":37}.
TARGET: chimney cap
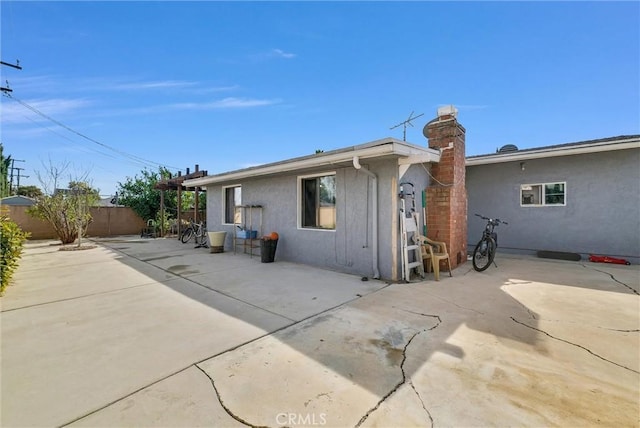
{"x":449,"y":110}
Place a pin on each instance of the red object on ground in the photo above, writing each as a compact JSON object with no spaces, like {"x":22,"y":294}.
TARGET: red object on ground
{"x":607,"y":259}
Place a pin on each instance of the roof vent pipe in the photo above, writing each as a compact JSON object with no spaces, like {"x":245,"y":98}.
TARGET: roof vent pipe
{"x":374,"y":202}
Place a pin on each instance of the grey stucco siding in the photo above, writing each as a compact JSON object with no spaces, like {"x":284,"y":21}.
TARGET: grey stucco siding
{"x":349,"y":248}
{"x":601,"y":215}
{"x":346,"y":249}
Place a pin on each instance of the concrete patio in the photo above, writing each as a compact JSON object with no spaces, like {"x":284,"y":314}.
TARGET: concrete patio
{"x":151,"y":332}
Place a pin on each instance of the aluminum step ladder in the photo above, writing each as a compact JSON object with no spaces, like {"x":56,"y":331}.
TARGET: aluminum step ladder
{"x":409,"y":231}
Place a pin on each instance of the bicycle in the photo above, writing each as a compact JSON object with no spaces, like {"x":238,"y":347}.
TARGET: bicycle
{"x":485,"y":250}
{"x":197,"y":230}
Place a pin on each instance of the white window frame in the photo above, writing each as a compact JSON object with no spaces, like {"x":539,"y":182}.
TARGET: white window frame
{"x":224,"y":202}
{"x":299,"y":202}
{"x":543,"y":194}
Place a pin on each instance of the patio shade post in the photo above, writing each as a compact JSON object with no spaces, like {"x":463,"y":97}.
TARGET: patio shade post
{"x":162,"y":213}
{"x":195,"y":203}
{"x":179,"y":211}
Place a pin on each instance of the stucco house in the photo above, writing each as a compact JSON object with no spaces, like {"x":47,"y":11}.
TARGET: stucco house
{"x":340,"y":209}
{"x":581,"y":197}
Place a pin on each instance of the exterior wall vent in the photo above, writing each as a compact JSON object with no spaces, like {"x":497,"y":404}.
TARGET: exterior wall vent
{"x":507,"y":148}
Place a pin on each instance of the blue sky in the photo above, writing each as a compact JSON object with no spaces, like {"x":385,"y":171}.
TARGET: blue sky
{"x":228,"y":85}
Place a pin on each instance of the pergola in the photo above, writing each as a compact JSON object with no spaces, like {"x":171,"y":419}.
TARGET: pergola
{"x":175,"y":183}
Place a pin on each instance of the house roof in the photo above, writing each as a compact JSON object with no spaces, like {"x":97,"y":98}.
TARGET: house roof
{"x":379,"y":149}
{"x":17,"y":200}
{"x":591,"y":146}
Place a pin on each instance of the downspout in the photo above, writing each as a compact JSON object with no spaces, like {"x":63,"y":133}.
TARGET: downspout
{"x":374,"y":233}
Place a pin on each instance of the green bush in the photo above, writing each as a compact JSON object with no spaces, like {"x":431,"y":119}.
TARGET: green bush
{"x":11,"y":242}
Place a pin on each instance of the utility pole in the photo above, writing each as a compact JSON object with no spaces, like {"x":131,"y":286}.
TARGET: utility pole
{"x":6,"y":90}
{"x":14,"y":168}
{"x":17,"y":66}
{"x":18,"y":180}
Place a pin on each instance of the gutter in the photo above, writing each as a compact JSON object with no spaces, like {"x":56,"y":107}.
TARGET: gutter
{"x":374,"y":202}
{"x":542,"y":153}
{"x":386,"y":148}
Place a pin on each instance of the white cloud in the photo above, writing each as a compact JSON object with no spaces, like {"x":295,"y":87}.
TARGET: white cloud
{"x":56,"y":84}
{"x":162,"y":84}
{"x":271,"y":54}
{"x":38,"y":84}
{"x":184,"y":85}
{"x":24,"y":133}
{"x":221,"y":104}
{"x":281,"y":54}
{"x":218,"y":89}
{"x":225,"y":103}
{"x":54,"y":107}
{"x":60,"y":108}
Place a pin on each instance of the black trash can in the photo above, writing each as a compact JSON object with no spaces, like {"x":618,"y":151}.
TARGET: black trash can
{"x":268,"y":250}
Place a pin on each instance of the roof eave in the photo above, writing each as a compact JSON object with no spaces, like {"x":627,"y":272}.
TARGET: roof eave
{"x":632,"y":143}
{"x":389,"y":147}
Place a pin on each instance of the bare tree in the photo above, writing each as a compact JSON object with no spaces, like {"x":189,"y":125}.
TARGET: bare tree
{"x":66,"y":209}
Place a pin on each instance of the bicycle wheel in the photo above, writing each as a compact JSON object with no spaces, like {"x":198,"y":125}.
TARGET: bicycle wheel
{"x":201,"y":240}
{"x":483,"y":254}
{"x":186,"y":235}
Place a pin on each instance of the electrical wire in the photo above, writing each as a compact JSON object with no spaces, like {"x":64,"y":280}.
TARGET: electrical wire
{"x":62,"y":125}
{"x":83,"y":149}
{"x":86,"y":149}
{"x":457,"y":182}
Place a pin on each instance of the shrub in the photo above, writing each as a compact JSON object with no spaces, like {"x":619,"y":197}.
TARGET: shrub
{"x":11,"y":242}
{"x":67,"y":211}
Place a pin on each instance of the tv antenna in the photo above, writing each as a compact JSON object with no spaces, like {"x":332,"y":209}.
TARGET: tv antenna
{"x":405,"y":123}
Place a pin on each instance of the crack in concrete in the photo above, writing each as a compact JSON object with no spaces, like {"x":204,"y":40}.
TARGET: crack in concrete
{"x":97,"y":293}
{"x":469,"y":270}
{"x":122,"y":398}
{"x":398,"y":385}
{"x":455,"y":304}
{"x":576,"y":345}
{"x":404,"y":375}
{"x":226,"y":409}
{"x":222,"y":353}
{"x":364,"y":418}
{"x":422,"y":315}
{"x":422,"y":402}
{"x":582,"y":324}
{"x":612,"y":277}
{"x":531,"y":313}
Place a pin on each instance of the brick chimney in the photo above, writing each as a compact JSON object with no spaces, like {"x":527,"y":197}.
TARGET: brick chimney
{"x":447,"y":193}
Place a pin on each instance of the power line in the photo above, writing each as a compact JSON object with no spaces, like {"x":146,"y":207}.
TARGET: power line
{"x":83,"y":149}
{"x":120,"y":152}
